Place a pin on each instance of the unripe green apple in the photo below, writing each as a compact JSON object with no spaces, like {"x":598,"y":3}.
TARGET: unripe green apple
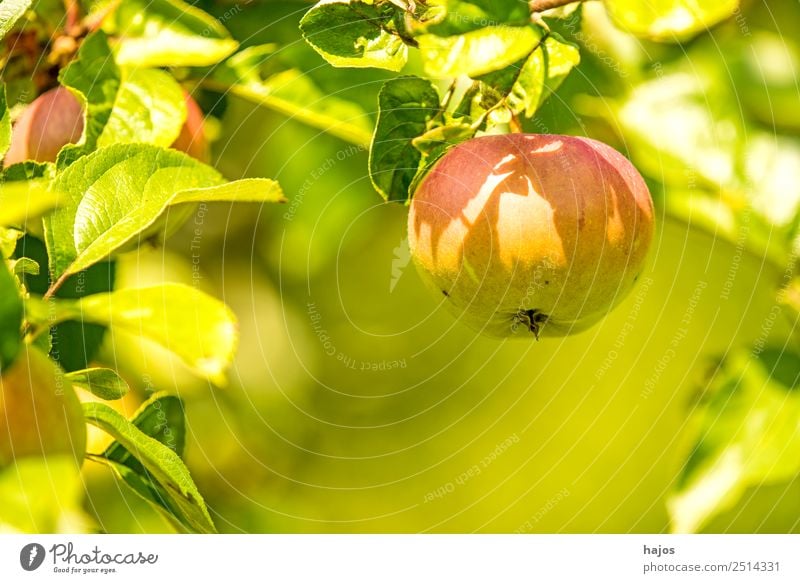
{"x":52,"y":121}
{"x":40,"y":413}
{"x":528,"y":234}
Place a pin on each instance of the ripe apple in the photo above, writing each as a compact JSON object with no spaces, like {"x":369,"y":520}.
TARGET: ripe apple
{"x":192,"y":139}
{"x":55,"y":119}
{"x":39,"y":411}
{"x":52,"y":121}
{"x":531,"y":234}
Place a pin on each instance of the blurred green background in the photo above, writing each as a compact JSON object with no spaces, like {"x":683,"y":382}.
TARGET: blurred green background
{"x":356,"y":404}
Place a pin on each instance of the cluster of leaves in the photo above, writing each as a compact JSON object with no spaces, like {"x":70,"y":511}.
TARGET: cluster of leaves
{"x":498,"y":60}
{"x":119,"y":186}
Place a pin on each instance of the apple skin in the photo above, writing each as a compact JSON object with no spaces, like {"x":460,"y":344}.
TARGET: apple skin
{"x":40,"y":414}
{"x":55,"y":119}
{"x":50,"y":122}
{"x":531,"y":234}
{"x":192,"y":139}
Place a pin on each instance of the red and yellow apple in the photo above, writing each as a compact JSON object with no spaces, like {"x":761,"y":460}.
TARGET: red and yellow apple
{"x":529,"y":234}
{"x":55,"y":119}
{"x":52,"y":121}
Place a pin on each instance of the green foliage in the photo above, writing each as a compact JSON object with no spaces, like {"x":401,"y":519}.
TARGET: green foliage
{"x":101,"y":382}
{"x":527,"y":83}
{"x":456,"y":17}
{"x":477,"y":52}
{"x":95,"y":76}
{"x":168,"y":33}
{"x":23,"y":201}
{"x":355,"y":34}
{"x":149,"y":107}
{"x":196,"y":327}
{"x":118,"y":192}
{"x":162,"y":478}
{"x":407,"y":105}
{"x":11,"y":313}
{"x":10,"y":12}
{"x":257,"y":74}
{"x":5,"y":123}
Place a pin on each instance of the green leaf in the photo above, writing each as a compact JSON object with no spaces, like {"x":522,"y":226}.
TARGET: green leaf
{"x":143,"y":485}
{"x":116,"y":193}
{"x":354,"y":34}
{"x":196,"y":327}
{"x":101,"y":382}
{"x":95,"y":77}
{"x":528,"y":83}
{"x":168,"y":33}
{"x":25,"y":200}
{"x":149,"y":108}
{"x":451,"y":17}
{"x":8,"y":241}
{"x":406,"y":106}
{"x":161,"y":417}
{"x":746,"y":432}
{"x":11,"y":312}
{"x":669,"y":20}
{"x":25,"y":266}
{"x":161,"y":463}
{"x":291,"y":92}
{"x":5,"y":121}
{"x":478,"y":52}
{"x":10,"y":12}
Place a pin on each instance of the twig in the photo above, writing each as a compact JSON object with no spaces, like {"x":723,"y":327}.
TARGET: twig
{"x":542,"y":5}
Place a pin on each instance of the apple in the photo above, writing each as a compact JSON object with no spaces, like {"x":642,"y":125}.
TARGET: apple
{"x":529,"y":234}
{"x":40,"y":413}
{"x":55,"y":119}
{"x":52,"y":121}
{"x":192,"y":139}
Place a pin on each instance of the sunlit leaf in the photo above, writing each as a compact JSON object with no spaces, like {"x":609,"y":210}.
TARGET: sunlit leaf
{"x":118,"y":192}
{"x":160,"y":462}
{"x":478,"y":52}
{"x":406,"y":105}
{"x":353,"y":34}
{"x":96,"y":78}
{"x":149,"y":108}
{"x":168,"y":33}
{"x":101,"y":382}
{"x":10,"y":12}
{"x":196,"y":327}
{"x":5,"y":122}
{"x":25,"y":200}
{"x":291,"y":92}
{"x":11,"y":312}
